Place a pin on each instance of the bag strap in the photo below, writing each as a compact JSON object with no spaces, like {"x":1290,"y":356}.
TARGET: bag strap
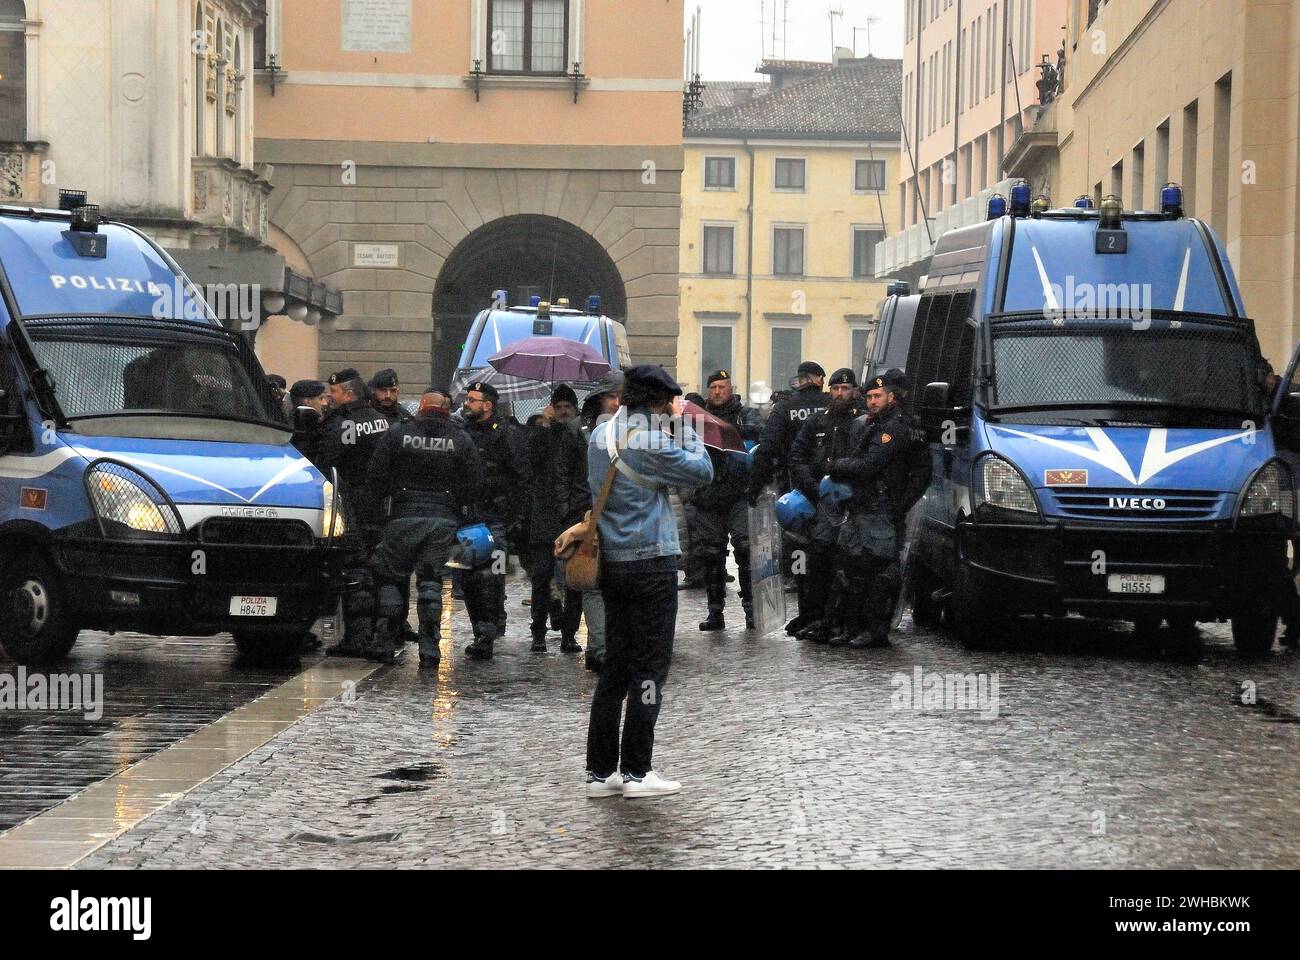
{"x":624,"y":467}
{"x":605,"y":488}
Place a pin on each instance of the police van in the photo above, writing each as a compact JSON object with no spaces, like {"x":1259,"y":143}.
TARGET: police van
{"x":499,"y":326}
{"x":147,"y":481}
{"x":888,"y":343}
{"x":1103,"y":437}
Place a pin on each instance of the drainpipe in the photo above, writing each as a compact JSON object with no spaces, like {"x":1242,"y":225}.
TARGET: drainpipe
{"x":956,"y":113}
{"x":1002,"y":97}
{"x":749,"y":276}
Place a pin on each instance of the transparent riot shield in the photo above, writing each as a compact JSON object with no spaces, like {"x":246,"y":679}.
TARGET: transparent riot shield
{"x":768,"y":586}
{"x":907,"y":559}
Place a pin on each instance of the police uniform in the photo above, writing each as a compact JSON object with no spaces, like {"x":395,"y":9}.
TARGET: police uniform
{"x":722,"y":513}
{"x":878,"y":470}
{"x":500,"y":446}
{"x":772,"y":465}
{"x":349,"y":437}
{"x":825,"y":437}
{"x":429,"y":472}
{"x":395,"y":413}
{"x":307,"y":440}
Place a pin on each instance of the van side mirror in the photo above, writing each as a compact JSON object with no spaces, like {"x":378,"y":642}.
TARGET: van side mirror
{"x":1290,"y":406}
{"x":305,"y":418}
{"x":936,"y":405}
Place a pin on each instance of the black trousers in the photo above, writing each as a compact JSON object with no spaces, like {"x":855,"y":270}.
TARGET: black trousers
{"x":640,"y":620}
{"x":541,"y":573}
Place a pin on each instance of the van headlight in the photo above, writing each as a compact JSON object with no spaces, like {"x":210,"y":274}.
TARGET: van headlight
{"x":332,"y":525}
{"x":1269,"y":493}
{"x":999,"y":486}
{"x":129,"y":504}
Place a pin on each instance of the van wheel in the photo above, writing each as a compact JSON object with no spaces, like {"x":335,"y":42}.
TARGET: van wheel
{"x":977,"y":621}
{"x":1253,"y":633}
{"x":277,"y":647}
{"x":35,"y":623}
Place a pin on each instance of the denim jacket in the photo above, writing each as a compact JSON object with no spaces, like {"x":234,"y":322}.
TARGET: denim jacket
{"x":638,"y":521}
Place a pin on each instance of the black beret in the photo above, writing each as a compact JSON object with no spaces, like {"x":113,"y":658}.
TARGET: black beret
{"x":717,"y":375}
{"x":306,"y":389}
{"x":385,"y":379}
{"x":277,"y":381}
{"x":843,"y":375}
{"x":488,"y":391}
{"x":896,"y":379}
{"x":652,"y":378}
{"x":810,"y":368}
{"x":562,"y":393}
{"x":343,"y":376}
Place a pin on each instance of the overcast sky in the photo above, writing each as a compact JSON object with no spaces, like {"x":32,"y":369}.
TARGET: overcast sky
{"x":733,"y":38}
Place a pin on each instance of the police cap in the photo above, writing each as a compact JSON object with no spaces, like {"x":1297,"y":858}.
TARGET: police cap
{"x":717,"y":375}
{"x":343,"y":376}
{"x":896,"y":380}
{"x":810,"y":368}
{"x":653,"y":379}
{"x":489,"y":392}
{"x":385,"y":379}
{"x":843,"y":375}
{"x":306,"y":389}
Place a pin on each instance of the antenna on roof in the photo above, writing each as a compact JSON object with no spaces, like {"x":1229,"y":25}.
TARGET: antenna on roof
{"x":831,"y":14}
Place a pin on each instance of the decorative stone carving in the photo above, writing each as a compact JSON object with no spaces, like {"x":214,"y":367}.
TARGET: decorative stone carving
{"x":200,"y":191}
{"x":13,"y":171}
{"x":228,"y":201}
{"x":232,"y":89}
{"x":210,"y":78}
{"x":261,"y":218}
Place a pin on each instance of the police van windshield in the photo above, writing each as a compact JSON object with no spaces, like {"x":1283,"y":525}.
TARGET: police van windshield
{"x":105,"y":369}
{"x":1099,"y":371}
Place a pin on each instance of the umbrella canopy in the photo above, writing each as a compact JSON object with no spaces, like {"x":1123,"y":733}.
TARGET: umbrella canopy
{"x":551,"y":360}
{"x":714,"y":431}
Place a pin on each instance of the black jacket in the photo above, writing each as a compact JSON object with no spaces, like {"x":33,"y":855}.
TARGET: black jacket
{"x":399,"y":414}
{"x":730,"y":473}
{"x":426,"y":455}
{"x":505,"y":487}
{"x":881,"y":461}
{"x":557,"y":463}
{"x":771,"y":461}
{"x":824,"y":438}
{"x":349,"y":437}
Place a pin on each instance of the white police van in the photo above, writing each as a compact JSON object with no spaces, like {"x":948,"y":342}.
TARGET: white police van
{"x":147,"y":481}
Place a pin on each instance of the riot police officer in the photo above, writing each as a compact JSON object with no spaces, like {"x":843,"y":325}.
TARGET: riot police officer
{"x":500,"y":445}
{"x":429,"y":471}
{"x":349,"y":437}
{"x":878,"y":472}
{"x":721,"y":508}
{"x":825,"y":437}
{"x":771,"y":463}
{"x":385,"y":391}
{"x":314,"y":394}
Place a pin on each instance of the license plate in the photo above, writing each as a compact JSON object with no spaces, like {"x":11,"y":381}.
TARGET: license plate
{"x":252,"y":606}
{"x":1136,"y":583}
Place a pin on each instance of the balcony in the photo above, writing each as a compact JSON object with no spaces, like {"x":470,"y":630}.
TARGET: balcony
{"x":230,"y":198}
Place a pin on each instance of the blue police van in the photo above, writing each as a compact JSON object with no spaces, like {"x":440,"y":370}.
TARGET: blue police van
{"x":147,"y":481}
{"x":1102,"y":437}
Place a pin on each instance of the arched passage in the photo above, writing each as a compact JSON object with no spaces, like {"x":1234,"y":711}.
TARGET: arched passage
{"x":524,"y":255}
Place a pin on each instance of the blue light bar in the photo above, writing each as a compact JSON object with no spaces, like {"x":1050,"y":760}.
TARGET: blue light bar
{"x":997,"y":206}
{"x":593,"y":304}
{"x":1171,"y":200}
{"x":1084,"y":202}
{"x":1021,"y":197}
{"x":534,"y":300}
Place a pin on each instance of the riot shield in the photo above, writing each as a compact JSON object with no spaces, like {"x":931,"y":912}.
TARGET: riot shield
{"x":907,"y":559}
{"x":768,"y":587}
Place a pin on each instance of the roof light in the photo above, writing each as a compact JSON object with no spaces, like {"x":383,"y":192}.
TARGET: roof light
{"x":1112,"y":209}
{"x":593,"y":304}
{"x":563,"y":303}
{"x":1083,"y":202}
{"x":1171,"y":200}
{"x":1042,"y":203}
{"x":1021,"y":194}
{"x":534,"y":300}
{"x":543,"y":308}
{"x":71,"y":199}
{"x":997,"y":206}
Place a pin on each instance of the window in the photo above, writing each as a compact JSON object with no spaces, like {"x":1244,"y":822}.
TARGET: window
{"x":719,"y":173}
{"x":1220,"y":149}
{"x":1139,"y":174}
{"x":947,"y":80}
{"x":528,"y":36}
{"x":864,"y":251}
{"x":869,"y":175}
{"x":715,"y":351}
{"x":202,"y":48}
{"x":1191,"y":134}
{"x":858,"y":348}
{"x":990,"y":64}
{"x":719,"y":242}
{"x":221,"y":87}
{"x":13,"y":71}
{"x":789,"y":174}
{"x":975,"y":75}
{"x":238,"y":118}
{"x":1162,"y":158}
{"x":787,"y":251}
{"x":787,"y":353}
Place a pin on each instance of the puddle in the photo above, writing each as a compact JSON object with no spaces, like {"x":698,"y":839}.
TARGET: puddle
{"x":416,"y":774}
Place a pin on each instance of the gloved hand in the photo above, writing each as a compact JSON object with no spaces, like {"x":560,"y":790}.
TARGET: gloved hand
{"x":841,"y":471}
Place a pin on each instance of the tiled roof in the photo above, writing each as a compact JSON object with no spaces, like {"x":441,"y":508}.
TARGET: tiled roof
{"x":855,"y":100}
{"x":720,"y":94}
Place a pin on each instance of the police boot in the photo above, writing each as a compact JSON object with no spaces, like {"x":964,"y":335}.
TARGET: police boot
{"x":569,"y":644}
{"x":794,"y":626}
{"x":717,"y":594}
{"x":481,"y":648}
{"x":381,"y":648}
{"x":749,"y":614}
{"x":539,"y":641}
{"x":815,"y":632}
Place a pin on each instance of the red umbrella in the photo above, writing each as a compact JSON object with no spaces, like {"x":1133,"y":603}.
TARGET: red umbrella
{"x":714,"y":431}
{"x":551,"y":360}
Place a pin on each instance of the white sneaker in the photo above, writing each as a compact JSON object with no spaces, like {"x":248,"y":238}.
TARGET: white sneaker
{"x":610,"y":786}
{"x":651,"y":785}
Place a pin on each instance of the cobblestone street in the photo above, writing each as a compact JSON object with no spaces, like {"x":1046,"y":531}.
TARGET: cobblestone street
{"x":790,"y":755}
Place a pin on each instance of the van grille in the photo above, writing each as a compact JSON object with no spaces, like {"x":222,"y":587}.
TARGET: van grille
{"x":229,"y":531}
{"x":1118,"y":504}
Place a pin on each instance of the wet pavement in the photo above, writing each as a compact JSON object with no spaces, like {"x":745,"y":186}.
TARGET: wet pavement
{"x":1072,"y":750}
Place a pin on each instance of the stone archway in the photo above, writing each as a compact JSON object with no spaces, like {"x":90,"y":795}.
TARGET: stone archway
{"x":525,"y":254}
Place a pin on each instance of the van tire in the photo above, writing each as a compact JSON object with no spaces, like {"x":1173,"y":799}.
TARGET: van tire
{"x":277,"y":647}
{"x":977,"y":622}
{"x":1253,"y":633}
{"x":36,"y":626}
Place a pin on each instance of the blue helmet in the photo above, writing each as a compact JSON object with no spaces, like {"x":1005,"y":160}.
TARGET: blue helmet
{"x":793,"y":510}
{"x":474,"y":546}
{"x":745,"y":456}
{"x":833,"y":493}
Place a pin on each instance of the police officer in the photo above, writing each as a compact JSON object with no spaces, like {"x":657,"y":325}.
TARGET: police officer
{"x":504,"y":459}
{"x":721,"y":508}
{"x":349,"y":437}
{"x":771,"y":463}
{"x":429,"y":470}
{"x":314,"y":394}
{"x":878,"y":471}
{"x":826,"y":436}
{"x":384,"y":393}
